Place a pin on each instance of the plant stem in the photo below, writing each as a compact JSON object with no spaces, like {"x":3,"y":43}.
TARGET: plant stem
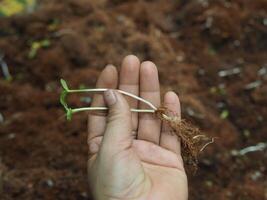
{"x":120,"y":91}
{"x":75,"y":110}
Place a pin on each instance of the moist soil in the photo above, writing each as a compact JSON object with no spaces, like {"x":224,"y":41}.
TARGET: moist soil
{"x":209,"y":52}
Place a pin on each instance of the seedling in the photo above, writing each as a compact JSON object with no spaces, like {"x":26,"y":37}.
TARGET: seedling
{"x":36,"y":45}
{"x":53,"y":25}
{"x":5,"y":68}
{"x":224,"y":114}
{"x":71,"y":111}
{"x":12,"y":7}
{"x":193,"y":141}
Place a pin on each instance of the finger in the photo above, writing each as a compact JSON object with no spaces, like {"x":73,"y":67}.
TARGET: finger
{"x":118,"y":133}
{"x":169,"y":140}
{"x":96,"y":123}
{"x":129,"y":82}
{"x":149,"y":126}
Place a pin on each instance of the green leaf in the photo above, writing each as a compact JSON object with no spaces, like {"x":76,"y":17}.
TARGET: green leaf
{"x":63,"y":99}
{"x":45,"y":43}
{"x":224,"y":114}
{"x":53,"y":25}
{"x":64,"y":84}
{"x":69,"y":114}
{"x":35,"y":46}
{"x":13,"y":7}
{"x":65,"y":105}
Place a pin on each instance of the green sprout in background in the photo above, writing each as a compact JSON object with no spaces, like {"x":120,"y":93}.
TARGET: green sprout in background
{"x":14,"y":7}
{"x":53,"y":25}
{"x":224,"y":114}
{"x":36,"y":45}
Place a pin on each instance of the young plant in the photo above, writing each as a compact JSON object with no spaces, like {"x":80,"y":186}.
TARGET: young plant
{"x":71,"y":111}
{"x":36,"y":45}
{"x":192,"y":140}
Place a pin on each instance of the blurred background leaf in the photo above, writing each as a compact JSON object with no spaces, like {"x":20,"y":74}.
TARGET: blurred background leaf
{"x":12,"y":7}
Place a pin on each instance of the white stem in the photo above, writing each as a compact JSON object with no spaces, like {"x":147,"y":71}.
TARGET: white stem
{"x":105,"y":108}
{"x":120,"y":91}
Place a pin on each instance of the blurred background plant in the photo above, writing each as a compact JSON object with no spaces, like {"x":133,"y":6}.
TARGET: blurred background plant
{"x":11,"y":7}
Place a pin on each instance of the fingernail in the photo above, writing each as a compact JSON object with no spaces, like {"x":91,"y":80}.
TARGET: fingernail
{"x":108,"y":66}
{"x":93,"y":148}
{"x":110,"y":97}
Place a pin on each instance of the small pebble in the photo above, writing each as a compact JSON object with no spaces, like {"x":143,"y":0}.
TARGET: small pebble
{"x":193,"y":113}
{"x":209,"y":22}
{"x":240,"y":61}
{"x":234,"y":153}
{"x":204,"y":3}
{"x":229,"y":194}
{"x":208,"y":183}
{"x":49,"y":183}
{"x":229,"y":72}
{"x":207,"y":162}
{"x":246,"y":133}
{"x":84,"y":195}
{"x":1,"y":118}
{"x":256,"y":175}
{"x":180,"y":58}
{"x":262,"y":71}
{"x":11,"y":136}
{"x":201,"y":72}
{"x":50,"y":87}
{"x":253,"y":85}
{"x":260,"y":118}
{"x":237,"y":43}
{"x":220,"y":105}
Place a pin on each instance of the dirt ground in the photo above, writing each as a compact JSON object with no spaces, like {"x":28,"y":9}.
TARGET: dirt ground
{"x":212,"y":53}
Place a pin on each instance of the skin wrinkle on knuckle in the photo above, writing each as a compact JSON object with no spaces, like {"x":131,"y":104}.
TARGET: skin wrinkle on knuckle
{"x":116,"y":116}
{"x":118,"y":112}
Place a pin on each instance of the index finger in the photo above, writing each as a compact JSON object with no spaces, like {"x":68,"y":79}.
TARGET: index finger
{"x":97,"y":123}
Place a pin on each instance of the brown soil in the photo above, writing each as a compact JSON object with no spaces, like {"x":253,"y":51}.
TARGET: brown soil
{"x":44,"y":157}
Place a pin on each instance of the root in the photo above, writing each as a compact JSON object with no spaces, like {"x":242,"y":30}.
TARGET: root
{"x":192,"y":140}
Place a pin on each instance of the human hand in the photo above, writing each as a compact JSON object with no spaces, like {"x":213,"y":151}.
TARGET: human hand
{"x":134,"y":156}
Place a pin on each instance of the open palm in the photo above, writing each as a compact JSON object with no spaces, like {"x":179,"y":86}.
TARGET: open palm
{"x":134,"y":156}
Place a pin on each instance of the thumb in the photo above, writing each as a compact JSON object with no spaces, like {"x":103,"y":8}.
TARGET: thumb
{"x":119,"y":122}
